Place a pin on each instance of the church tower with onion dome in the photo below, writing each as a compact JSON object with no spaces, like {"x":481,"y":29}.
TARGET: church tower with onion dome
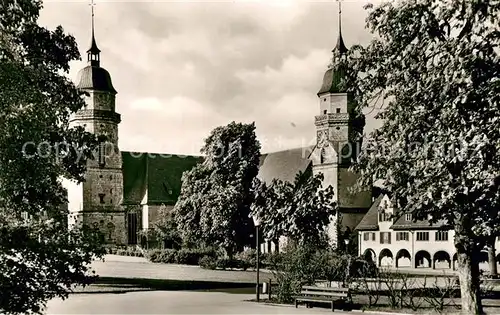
{"x":97,"y":202}
{"x":337,"y":143}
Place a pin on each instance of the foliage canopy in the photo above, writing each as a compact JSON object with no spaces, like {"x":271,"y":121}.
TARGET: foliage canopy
{"x":39,"y":258}
{"x":300,"y":210}
{"x":215,"y":199}
{"x":436,"y":64}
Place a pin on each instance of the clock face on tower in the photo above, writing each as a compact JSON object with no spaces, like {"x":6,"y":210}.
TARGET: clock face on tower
{"x":103,"y":101}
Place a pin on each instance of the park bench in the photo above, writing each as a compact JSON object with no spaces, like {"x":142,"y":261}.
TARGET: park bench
{"x":313,"y":294}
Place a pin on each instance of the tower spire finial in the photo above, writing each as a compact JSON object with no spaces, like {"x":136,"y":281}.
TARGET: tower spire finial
{"x":92,"y":4}
{"x":93,"y":52}
{"x":340,"y":15}
{"x":340,"y":48}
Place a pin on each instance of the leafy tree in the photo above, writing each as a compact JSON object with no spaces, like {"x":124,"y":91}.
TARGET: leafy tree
{"x":165,"y":227}
{"x":300,"y":211}
{"x":39,"y":257}
{"x":215,"y":199}
{"x":437,"y":65}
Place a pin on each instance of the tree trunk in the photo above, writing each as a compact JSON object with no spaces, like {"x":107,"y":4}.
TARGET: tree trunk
{"x":492,"y":257}
{"x":468,"y":275}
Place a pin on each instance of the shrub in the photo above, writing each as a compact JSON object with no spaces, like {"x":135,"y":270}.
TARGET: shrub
{"x":191,"y":256}
{"x":294,"y":267}
{"x":223,"y":263}
{"x":269,"y":260}
{"x":152,"y":255}
{"x":442,"y":295}
{"x":121,"y":252}
{"x":134,"y":251}
{"x":208,"y":262}
{"x":186,"y":257}
{"x":111,"y":250}
{"x":166,"y":256}
{"x":246,"y":259}
{"x":368,"y":281}
{"x":263,"y":260}
{"x":126,"y":251}
{"x":305,"y":265}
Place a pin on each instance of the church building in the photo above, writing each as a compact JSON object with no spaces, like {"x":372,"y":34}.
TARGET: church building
{"x":123,"y":191}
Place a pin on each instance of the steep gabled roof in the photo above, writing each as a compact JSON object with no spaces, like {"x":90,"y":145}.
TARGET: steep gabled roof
{"x":403,"y":224}
{"x":157,"y":174}
{"x":284,"y":165}
{"x":165,"y":176}
{"x":347,"y":198}
{"x":134,"y":169}
{"x":370,"y":220}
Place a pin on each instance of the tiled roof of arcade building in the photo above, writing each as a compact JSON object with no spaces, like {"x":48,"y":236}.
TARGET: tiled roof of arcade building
{"x":400,"y":221}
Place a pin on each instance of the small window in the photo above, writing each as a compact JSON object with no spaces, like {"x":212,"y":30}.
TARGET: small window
{"x":369,"y":236}
{"x":338,"y":110}
{"x":408,"y":217}
{"x":441,"y":236}
{"x":111,"y":191}
{"x":422,"y":236}
{"x":402,"y":236}
{"x":100,"y":176}
{"x":101,"y":198}
{"x":384,"y":216}
{"x":324,"y":100}
{"x":385,"y":237}
{"x":324,"y":112}
{"x":110,"y":177}
{"x":338,"y":128}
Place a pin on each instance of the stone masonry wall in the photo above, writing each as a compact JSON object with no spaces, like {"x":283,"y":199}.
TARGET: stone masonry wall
{"x":103,"y":186}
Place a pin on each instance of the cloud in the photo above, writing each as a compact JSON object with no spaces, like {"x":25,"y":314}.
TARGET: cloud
{"x":293,"y":74}
{"x":176,"y":108}
{"x":183,"y":68}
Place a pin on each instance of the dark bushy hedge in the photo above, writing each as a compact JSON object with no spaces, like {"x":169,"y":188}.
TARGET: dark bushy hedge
{"x":192,"y":256}
{"x":185,"y":256}
{"x":166,"y":256}
{"x":204,"y":257}
{"x":208,"y":262}
{"x":125,"y":251}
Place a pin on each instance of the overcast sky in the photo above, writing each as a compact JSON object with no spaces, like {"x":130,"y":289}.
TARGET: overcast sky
{"x":183,"y":68}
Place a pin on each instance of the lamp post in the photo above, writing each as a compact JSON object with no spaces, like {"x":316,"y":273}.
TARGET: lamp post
{"x":256,"y":222}
{"x":347,"y":275}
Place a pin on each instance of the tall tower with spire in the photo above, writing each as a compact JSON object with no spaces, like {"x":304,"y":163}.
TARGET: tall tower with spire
{"x":97,"y":202}
{"x":336,"y":142}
